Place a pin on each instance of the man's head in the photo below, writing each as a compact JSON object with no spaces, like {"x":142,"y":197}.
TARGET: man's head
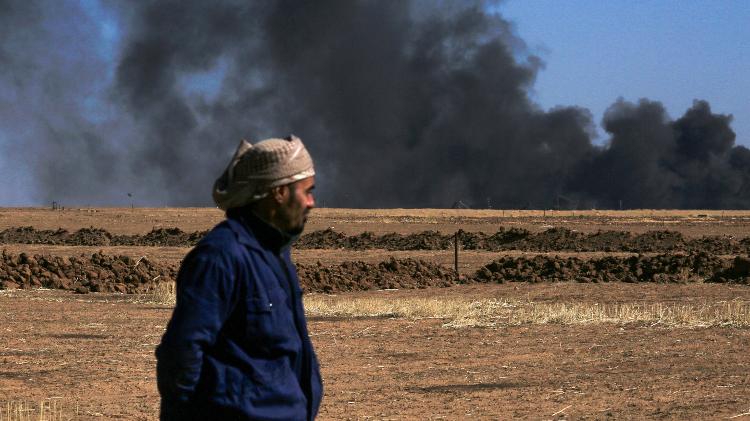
{"x":275,"y":177}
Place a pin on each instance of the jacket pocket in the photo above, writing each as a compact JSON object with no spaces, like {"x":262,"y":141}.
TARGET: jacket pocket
{"x":269,"y":321}
{"x":258,"y":317}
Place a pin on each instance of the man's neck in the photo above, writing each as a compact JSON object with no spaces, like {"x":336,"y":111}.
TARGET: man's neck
{"x":265,"y":213}
{"x":266,"y":232}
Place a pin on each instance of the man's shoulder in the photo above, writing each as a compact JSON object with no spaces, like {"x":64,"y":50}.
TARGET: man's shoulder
{"x":218,"y":247}
{"x":222,"y":232}
{"x":229,"y":236}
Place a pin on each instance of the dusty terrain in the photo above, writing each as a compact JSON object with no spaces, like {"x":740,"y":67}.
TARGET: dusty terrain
{"x":93,"y":353}
{"x":355,"y":221}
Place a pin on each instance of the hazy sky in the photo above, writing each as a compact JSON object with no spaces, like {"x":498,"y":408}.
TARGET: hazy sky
{"x":667,"y":50}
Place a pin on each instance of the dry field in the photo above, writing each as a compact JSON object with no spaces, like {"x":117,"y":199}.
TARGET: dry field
{"x":562,"y":350}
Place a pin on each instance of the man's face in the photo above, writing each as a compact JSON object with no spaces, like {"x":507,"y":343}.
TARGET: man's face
{"x":297,"y":204}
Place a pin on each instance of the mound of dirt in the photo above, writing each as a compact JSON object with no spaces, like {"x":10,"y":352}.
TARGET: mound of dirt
{"x":328,"y":239}
{"x":29,"y":235}
{"x":104,"y":273}
{"x":737,"y":272}
{"x":97,"y":273}
{"x":323,"y":239}
{"x":717,"y":245}
{"x":661,"y":268}
{"x":161,"y":237}
{"x":89,"y":237}
{"x":497,"y":241}
{"x":550,"y":240}
{"x":607,"y":241}
{"x":554,"y":239}
{"x":359,"y":276}
{"x":426,"y":240}
{"x":653,"y":241}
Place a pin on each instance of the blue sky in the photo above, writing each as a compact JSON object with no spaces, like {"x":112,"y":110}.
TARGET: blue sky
{"x":669,"y":51}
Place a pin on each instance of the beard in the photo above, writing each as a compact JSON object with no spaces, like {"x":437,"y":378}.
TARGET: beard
{"x":296,"y":230}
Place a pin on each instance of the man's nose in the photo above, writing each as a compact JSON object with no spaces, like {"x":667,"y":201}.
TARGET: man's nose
{"x":311,"y":202}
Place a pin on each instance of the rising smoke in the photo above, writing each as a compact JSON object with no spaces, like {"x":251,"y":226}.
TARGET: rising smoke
{"x":402,"y":103}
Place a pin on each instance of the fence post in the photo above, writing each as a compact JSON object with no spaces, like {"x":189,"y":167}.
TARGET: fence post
{"x":455,"y":253}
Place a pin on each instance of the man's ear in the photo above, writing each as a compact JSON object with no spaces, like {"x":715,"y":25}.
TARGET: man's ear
{"x":280,"y":194}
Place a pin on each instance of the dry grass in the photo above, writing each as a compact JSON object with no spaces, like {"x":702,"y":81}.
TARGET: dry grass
{"x":162,"y":294}
{"x":44,"y":410}
{"x":491,"y":312}
{"x":458,"y":312}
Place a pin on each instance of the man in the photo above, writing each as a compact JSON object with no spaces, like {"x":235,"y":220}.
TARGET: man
{"x":237,"y":346}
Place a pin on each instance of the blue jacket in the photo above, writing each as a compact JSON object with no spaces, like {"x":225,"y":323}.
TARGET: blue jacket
{"x":237,"y":345}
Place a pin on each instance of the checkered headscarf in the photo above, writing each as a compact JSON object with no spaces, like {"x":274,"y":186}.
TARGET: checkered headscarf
{"x":255,"y":169}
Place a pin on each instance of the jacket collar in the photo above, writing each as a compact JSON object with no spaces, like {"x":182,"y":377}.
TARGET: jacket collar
{"x":255,"y":232}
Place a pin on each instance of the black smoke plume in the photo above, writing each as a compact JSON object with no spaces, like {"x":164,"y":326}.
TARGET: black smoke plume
{"x":652,"y":162}
{"x":402,"y":104}
{"x":50,"y":149}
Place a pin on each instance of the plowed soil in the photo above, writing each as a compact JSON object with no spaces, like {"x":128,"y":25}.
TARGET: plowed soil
{"x":158,"y":237}
{"x":93,"y":353}
{"x":104,"y":273}
{"x":553,"y":239}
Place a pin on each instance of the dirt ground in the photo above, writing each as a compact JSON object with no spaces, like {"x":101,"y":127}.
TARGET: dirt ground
{"x":94,"y":353}
{"x":691,"y":223}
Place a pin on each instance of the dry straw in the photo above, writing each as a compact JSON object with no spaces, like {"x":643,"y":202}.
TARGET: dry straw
{"x":458,"y":312}
{"x":163,"y":293}
{"x":461,"y":312}
{"x":49,"y":409}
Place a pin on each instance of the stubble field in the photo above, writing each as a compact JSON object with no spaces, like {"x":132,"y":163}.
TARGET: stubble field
{"x":603,"y":326}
